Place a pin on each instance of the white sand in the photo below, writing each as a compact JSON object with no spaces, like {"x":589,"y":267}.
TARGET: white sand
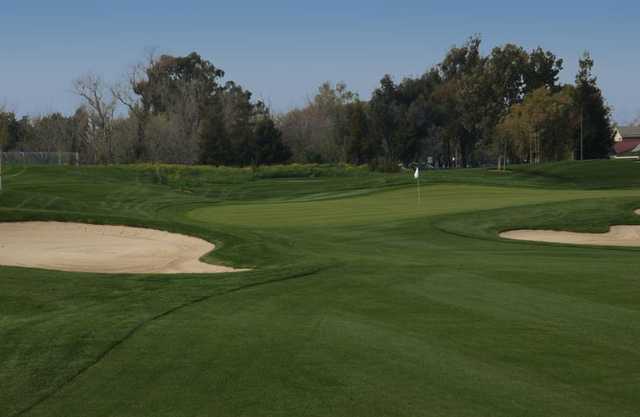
{"x":105,"y":249}
{"x":616,"y":236}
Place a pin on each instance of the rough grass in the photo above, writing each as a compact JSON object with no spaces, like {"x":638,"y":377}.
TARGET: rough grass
{"x":364,"y":301}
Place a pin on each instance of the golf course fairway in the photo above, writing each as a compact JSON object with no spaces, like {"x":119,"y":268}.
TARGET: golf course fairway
{"x":359,"y":299}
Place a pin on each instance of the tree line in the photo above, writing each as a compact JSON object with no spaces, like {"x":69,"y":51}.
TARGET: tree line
{"x":178,"y":110}
{"x":468,"y":110}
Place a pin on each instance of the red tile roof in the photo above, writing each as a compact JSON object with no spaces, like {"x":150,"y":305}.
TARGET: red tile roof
{"x":626,"y":145}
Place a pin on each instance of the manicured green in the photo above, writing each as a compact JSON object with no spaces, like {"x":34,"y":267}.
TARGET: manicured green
{"x":362,"y":301}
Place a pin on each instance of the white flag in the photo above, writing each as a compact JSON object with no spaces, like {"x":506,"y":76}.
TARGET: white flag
{"x":416,"y":174}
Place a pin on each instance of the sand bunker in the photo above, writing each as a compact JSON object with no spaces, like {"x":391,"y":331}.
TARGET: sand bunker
{"x":106,"y":249}
{"x":616,"y":236}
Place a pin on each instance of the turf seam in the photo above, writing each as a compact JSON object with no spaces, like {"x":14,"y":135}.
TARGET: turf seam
{"x":157,"y":317}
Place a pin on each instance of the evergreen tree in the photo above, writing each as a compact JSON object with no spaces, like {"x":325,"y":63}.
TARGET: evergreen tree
{"x":594,"y":134}
{"x":360,"y":149}
{"x":5,"y":119}
{"x":269,"y":147}
{"x":385,"y":120}
{"x":214,"y":141}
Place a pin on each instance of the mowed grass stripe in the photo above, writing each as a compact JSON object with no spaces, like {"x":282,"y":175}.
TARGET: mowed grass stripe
{"x":341,"y":346}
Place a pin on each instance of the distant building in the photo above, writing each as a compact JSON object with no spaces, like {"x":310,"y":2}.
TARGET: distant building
{"x":626,"y":139}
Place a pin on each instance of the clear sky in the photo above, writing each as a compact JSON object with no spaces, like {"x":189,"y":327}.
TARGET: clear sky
{"x":282,"y":50}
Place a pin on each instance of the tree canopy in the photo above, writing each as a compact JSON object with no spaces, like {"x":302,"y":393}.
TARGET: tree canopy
{"x":461,"y":112}
{"x":469,"y":109}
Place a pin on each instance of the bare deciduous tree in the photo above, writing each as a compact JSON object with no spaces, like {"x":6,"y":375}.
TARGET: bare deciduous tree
{"x":131,"y":93}
{"x":4,"y":128}
{"x":318,"y":131}
{"x":101,"y":105}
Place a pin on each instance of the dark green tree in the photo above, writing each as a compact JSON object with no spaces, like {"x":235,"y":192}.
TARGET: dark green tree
{"x":506,"y":73}
{"x":268,"y":147}
{"x":594,"y":135}
{"x":20,"y":131}
{"x":465,"y":96}
{"x":214,"y":142}
{"x":171,"y":79}
{"x":542,"y":71}
{"x":239,"y":114}
{"x":361,"y":147}
{"x":6,"y":139}
{"x":386,"y":115}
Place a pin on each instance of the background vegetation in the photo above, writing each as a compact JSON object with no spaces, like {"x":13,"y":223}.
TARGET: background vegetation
{"x":468,"y":110}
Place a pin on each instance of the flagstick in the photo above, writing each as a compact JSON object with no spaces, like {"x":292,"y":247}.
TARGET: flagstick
{"x":416,"y":175}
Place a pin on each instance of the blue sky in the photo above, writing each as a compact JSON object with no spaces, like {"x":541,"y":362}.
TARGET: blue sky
{"x":282,"y":50}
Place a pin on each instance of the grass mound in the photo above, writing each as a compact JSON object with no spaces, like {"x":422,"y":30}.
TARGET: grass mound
{"x":587,"y":174}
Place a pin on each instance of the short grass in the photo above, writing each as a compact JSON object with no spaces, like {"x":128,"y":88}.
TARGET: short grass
{"x":363,"y":301}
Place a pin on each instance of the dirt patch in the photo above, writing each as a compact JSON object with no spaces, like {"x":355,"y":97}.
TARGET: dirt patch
{"x":616,"y":236}
{"x":104,"y":249}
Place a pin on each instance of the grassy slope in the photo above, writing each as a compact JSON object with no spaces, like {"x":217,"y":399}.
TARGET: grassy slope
{"x":363,"y":302}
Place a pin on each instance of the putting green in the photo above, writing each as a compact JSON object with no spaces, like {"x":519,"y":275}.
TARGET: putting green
{"x":388,"y":205}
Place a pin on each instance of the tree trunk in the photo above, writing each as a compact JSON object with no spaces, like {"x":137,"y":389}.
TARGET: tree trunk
{"x":140,"y":148}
